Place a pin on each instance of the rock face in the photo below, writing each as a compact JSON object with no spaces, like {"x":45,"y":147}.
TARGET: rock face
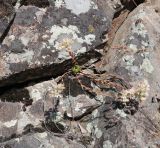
{"x":95,"y":98}
{"x":39,"y":42}
{"x":135,"y":56}
{"x":44,"y":37}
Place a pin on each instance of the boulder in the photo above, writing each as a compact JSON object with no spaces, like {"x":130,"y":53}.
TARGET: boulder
{"x":111,"y":103}
{"x":42,"y":39}
{"x":134,"y":55}
{"x":50,"y":106}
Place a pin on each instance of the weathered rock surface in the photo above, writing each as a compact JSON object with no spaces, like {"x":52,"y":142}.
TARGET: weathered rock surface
{"x":9,"y":117}
{"x":42,"y":38}
{"x":52,"y":108}
{"x":45,"y":140}
{"x":134,"y":56}
{"x":39,"y":44}
{"x":67,"y":107}
{"x":113,"y":103}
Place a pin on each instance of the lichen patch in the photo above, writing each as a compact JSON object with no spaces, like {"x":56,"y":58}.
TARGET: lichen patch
{"x":147,"y":66}
{"x":10,"y":123}
{"x":79,"y":6}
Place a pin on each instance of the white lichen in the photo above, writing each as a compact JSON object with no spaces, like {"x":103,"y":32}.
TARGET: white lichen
{"x":128,"y":59}
{"x":36,"y":94}
{"x":90,"y":38}
{"x":59,"y":3}
{"x":133,"y":47}
{"x":67,"y":39}
{"x":98,"y":133}
{"x":18,"y":58}
{"x":107,"y":144}
{"x":42,"y":135}
{"x":89,"y":127}
{"x":10,"y":123}
{"x":121,"y":113}
{"x":147,"y":66}
{"x":139,"y":29}
{"x":78,"y":107}
{"x":140,"y":15}
{"x":40,"y":14}
{"x":95,"y":113}
{"x":57,"y":31}
{"x":27,"y":37}
{"x":79,"y":6}
{"x":12,"y":37}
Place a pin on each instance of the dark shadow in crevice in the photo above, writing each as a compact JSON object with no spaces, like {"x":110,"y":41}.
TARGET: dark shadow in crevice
{"x":130,"y":107}
{"x":79,"y":117}
{"x":131,"y":4}
{"x":15,"y":95}
{"x":37,"y":3}
{"x":13,"y":87}
{"x":118,"y":13}
{"x":74,"y":85}
{"x":29,"y":128}
{"x":54,"y":127}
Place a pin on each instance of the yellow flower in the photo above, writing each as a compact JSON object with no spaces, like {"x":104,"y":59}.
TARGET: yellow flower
{"x":57,"y":90}
{"x":66,"y":43}
{"x":138,"y":91}
{"x":91,"y":29}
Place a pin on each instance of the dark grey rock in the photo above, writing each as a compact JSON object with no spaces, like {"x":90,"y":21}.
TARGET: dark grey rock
{"x":9,"y":114}
{"x":116,"y":109}
{"x":6,"y":17}
{"x":40,"y":38}
{"x":44,"y":140}
{"x":136,"y":59}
